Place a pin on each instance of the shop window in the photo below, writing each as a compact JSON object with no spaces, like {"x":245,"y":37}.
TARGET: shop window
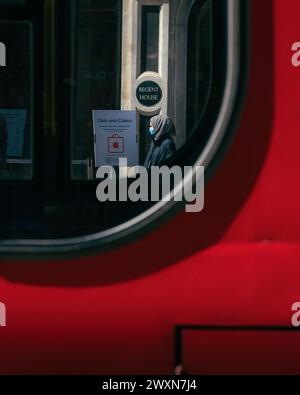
{"x":95,"y":72}
{"x":16,"y":102}
{"x":150,"y":38}
{"x":65,"y":59}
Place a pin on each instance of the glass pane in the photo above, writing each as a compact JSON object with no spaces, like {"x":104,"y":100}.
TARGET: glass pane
{"x":12,"y":2}
{"x":96,"y":63}
{"x":150,"y":38}
{"x":16,"y":108}
{"x":77,"y":69}
{"x":200,"y":63}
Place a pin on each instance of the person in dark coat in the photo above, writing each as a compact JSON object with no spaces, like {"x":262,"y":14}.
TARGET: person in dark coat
{"x":162,"y":146}
{"x":3,"y":141}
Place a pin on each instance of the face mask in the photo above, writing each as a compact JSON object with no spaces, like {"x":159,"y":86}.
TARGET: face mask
{"x":151,"y":131}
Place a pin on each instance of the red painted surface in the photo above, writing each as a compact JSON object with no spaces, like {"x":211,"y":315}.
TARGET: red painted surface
{"x":254,"y":353}
{"x":238,"y":262}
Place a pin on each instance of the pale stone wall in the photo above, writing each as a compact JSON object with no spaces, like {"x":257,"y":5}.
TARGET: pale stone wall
{"x":172,"y":56}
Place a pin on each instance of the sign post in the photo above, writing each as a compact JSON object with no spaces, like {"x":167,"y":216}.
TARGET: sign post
{"x":149,"y":93}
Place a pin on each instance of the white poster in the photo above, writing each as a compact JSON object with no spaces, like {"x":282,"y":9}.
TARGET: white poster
{"x":15,"y":125}
{"x":115,"y":136}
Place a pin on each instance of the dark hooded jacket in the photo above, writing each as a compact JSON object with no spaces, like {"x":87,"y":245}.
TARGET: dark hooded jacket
{"x":162,"y":146}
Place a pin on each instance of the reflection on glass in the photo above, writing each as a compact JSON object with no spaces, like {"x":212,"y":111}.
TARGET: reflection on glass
{"x":16,"y":110}
{"x":150,"y":38}
{"x":79,"y":65}
{"x":96,"y":40}
{"x":200,"y":63}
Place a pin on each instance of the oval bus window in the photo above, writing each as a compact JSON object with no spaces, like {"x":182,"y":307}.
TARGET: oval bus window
{"x":88,"y":85}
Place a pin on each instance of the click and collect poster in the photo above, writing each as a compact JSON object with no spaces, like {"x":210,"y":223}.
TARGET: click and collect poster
{"x":115,"y":137}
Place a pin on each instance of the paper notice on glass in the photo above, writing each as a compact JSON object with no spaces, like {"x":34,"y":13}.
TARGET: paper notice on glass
{"x":15,"y":124}
{"x":115,"y":137}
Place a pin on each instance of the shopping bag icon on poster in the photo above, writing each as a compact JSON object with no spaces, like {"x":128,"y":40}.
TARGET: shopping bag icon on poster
{"x":116,"y":144}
